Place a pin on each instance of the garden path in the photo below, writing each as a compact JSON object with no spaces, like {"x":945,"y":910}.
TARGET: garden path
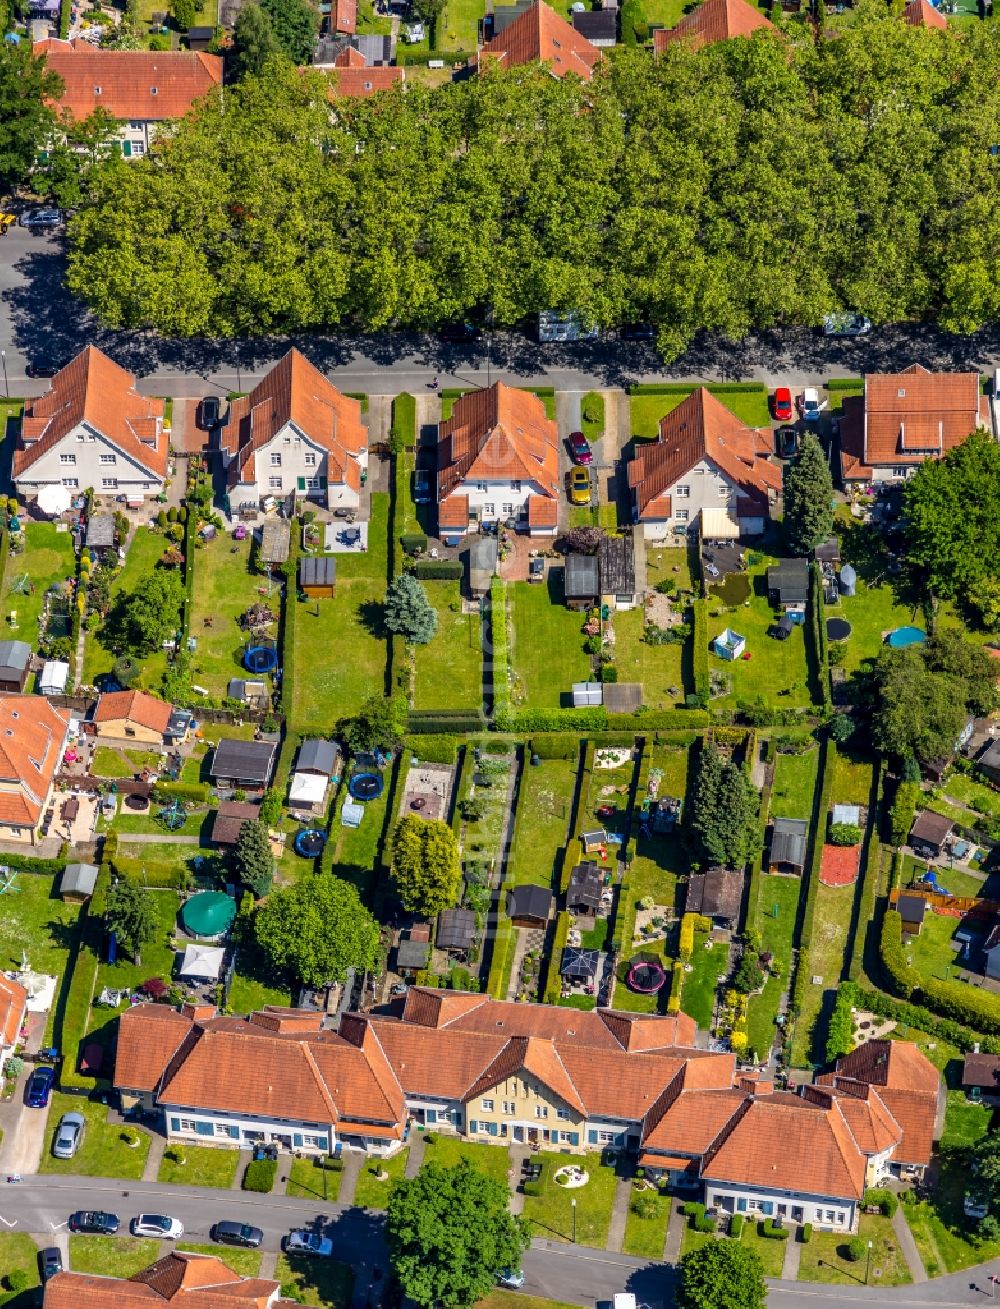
{"x":675,"y":1234}
{"x":908,"y":1246}
{"x":155,"y":1157}
{"x":793,"y":1256}
{"x":416,"y":1156}
{"x":619,"y":1213}
{"x":354,"y":1161}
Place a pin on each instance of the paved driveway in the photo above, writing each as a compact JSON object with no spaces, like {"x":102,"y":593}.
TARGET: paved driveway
{"x":25,"y":1136}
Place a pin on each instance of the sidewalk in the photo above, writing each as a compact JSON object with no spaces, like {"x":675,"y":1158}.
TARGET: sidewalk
{"x":675,"y":1234}
{"x":619,"y":1214}
{"x":793,"y":1255}
{"x":237,"y":1182}
{"x":416,"y":1155}
{"x":908,"y":1246}
{"x":354,"y":1161}
{"x":157,"y":1146}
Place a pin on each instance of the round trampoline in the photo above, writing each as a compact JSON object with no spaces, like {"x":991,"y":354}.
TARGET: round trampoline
{"x":645,"y":976}
{"x":906,"y":636}
{"x":260,"y":659}
{"x":208,"y":915}
{"x":366,"y":786}
{"x":310,"y":842}
{"x":838,"y":629}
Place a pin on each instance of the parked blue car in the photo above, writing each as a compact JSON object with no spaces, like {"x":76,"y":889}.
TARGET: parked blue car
{"x":39,"y":1088}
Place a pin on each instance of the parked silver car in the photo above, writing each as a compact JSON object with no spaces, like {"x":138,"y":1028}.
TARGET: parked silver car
{"x":68,"y":1135}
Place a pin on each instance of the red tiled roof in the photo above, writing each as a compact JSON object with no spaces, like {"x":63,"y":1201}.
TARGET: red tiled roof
{"x":138,"y":85}
{"x":32,"y":735}
{"x":148,"y":1037}
{"x":296,"y":392}
{"x":543,"y":512}
{"x":694,"y":1120}
{"x":13,"y":999}
{"x":196,"y":1281}
{"x":920,"y":13}
{"x":840,"y":865}
{"x":500,"y":434}
{"x":701,"y":427}
{"x":352,"y":83}
{"x":350,"y":58}
{"x":905,"y":417}
{"x":92,"y":389}
{"x":134,"y":707}
{"x":540,"y":35}
{"x":714,"y":20}
{"x":344,"y":16}
{"x":454,"y":512}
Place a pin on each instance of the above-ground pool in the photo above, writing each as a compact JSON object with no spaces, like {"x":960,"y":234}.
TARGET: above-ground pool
{"x":646,"y":976}
{"x":838,"y":629}
{"x":260,"y":659}
{"x":904,"y":636}
{"x":310,"y":842}
{"x":366,"y":786}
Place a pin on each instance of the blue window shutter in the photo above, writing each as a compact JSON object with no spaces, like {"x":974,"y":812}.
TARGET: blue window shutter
{"x":323,"y":1143}
{"x":297,"y":1139}
{"x":175,"y":1124}
{"x":472,"y":1124}
{"x":234,"y":1132}
{"x":494,"y":1129}
{"x":741,"y":1205}
{"x":431,"y":1115}
{"x":766,"y":1207}
{"x":574,"y":1138}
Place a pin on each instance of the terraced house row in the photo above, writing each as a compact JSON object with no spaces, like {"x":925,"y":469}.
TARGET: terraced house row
{"x":533,"y":1074}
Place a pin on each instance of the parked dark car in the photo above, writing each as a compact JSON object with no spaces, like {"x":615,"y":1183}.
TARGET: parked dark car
{"x":209,"y":412}
{"x":579,"y":448}
{"x":461,"y":333}
{"x":41,"y":370}
{"x":786,"y":440}
{"x":96,"y":1221}
{"x":41,"y":219}
{"x":422,"y":484}
{"x":237,"y":1234}
{"x":638,"y":332}
{"x":50,"y":1262}
{"x":39,"y":1088}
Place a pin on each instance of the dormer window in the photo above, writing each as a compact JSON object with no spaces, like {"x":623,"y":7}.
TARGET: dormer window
{"x":97,"y":90}
{"x":152,"y":90}
{"x":901,"y":392}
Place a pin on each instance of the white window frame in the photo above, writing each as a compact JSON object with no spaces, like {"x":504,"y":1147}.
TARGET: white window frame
{"x":313,"y":484}
{"x":274,"y":483}
{"x":275,"y":458}
{"x":509,"y":1107}
{"x":67,"y":459}
{"x":108,"y":459}
{"x":563,"y":1114}
{"x":487,"y":1106}
{"x":71,"y":482}
{"x":109,"y":483}
{"x":682,"y":515}
{"x":682,"y":491}
{"x":541,"y":1111}
{"x":310,"y":459}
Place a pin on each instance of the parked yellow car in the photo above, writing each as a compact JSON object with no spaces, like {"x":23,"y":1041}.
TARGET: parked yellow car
{"x":579,"y":486}
{"x":6,"y":220}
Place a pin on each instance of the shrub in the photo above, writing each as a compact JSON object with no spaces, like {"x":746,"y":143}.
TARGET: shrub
{"x":772,"y":1233}
{"x":805,"y":1233}
{"x":555,"y":745}
{"x":14,"y":1066}
{"x":736,"y":1224}
{"x":686,"y":945}
{"x":413,"y":542}
{"x":259,"y":1175}
{"x":532,"y":1188}
{"x":693,"y":1209}
{"x":17,"y":1281}
{"x":884,"y":1198}
{"x":855,"y":1249}
{"x":431,"y":570}
{"x":644,"y":1205}
{"x":704,"y":1224}
{"x":903,"y":811}
{"x":845,"y":834}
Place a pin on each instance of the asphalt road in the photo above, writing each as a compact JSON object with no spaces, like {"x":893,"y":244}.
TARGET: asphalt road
{"x":41,"y":324}
{"x":574,"y":1274}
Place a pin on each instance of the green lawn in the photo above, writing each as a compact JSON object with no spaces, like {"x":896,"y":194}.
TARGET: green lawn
{"x":501,"y":1299}
{"x":447,"y":1151}
{"x":203,"y":1165}
{"x":145,"y":550}
{"x":340,"y":650}
{"x":772,"y":1253}
{"x":157,"y":955}
{"x":823,"y":1256}
{"x":871,"y":612}
{"x":308,"y":1182}
{"x":320,"y":1282}
{"x":369,"y":21}
{"x":547,"y":654}
{"x":458,"y":26}
{"x":35,"y":921}
{"x":46,"y":560}
{"x":543,"y":813}
{"x":250,"y":992}
{"x":18,"y":1253}
{"x":245,"y":1263}
{"x":224,"y":588}
{"x":975,"y":795}
{"x":794,"y":784}
{"x":111,"y":1256}
{"x":128,"y":824}
{"x":207,"y":13}
{"x":660,"y":668}
{"x":831,"y":923}
{"x":700,"y":985}
{"x":664,"y":13}
{"x":551,"y":1213}
{"x":777,"y":903}
{"x":852,"y":780}
{"x":776,"y":670}
{"x":102,"y":1152}
{"x":646,"y":1236}
{"x":122,"y":763}
{"x":481,"y":839}
{"x":449,"y":669}
{"x":648,"y":409}
{"x":373,"y":1193}
{"x":933,"y":953}
{"x":965,"y":1123}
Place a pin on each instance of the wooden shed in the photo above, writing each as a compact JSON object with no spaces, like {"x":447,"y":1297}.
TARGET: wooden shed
{"x":318,"y":576}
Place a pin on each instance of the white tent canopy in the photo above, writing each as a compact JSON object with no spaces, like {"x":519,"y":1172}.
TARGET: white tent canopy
{"x":718,"y":525}
{"x":202,"y":961}
{"x":54,"y":499}
{"x":307,"y":788}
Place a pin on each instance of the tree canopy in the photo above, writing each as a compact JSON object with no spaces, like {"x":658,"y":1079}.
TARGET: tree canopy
{"x":252,"y":858}
{"x":425,"y":865}
{"x":131,"y":916}
{"x":450,"y":1232}
{"x":808,"y":497}
{"x":721,"y":817}
{"x":408,"y":612}
{"x":142,"y":619}
{"x":254,"y":42}
{"x":26,"y":120}
{"x":295,"y":24}
{"x":380,"y":723}
{"x":316,"y":929}
{"x":753,"y":183}
{"x":722,"y":1275}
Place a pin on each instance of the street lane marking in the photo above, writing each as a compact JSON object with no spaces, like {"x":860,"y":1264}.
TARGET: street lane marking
{"x":7,"y":1223}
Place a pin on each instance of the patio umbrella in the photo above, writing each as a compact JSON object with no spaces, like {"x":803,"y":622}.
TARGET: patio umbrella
{"x":54,"y":499}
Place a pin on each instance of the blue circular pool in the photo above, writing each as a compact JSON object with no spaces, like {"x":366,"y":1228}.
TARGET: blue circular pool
{"x":906,"y":636}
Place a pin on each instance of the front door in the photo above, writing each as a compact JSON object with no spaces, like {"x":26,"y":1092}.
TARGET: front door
{"x":518,"y":1135}
{"x":533,"y":1135}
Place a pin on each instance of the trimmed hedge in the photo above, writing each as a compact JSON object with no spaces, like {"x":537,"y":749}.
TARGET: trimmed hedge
{"x":289,"y":619}
{"x":956,"y":1001}
{"x":196,"y":792}
{"x":903,"y":811}
{"x":660,"y":719}
{"x":26,"y":864}
{"x":870,"y":879}
{"x":772,"y":1233}
{"x":496,"y":983}
{"x":439,"y":570}
{"x":499,"y":652}
{"x":440,"y":722}
{"x":685,"y":388}
{"x":555,"y":745}
{"x":403,"y":429}
{"x":818,"y":651}
{"x":676,"y":988}
{"x":736,"y":1224}
{"x":701,"y":678}
{"x":912,"y":1015}
{"x":434,"y":749}
{"x":550,"y":720}
{"x":413,"y":542}
{"x":553,"y":978}
{"x":805,"y":1233}
{"x":259,"y":1175}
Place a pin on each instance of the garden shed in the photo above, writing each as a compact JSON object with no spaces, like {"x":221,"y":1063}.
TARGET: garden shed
{"x":229,"y":819}
{"x":318,"y":756}
{"x":911,"y":908}
{"x":248,"y":691}
{"x":586,"y":694}
{"x":616,"y":562}
{"x":729,"y":645}
{"x":788,"y":845}
{"x":581,"y":586}
{"x":529,"y":905}
{"x":318,"y":576}
{"x":622,"y":697}
{"x":788,"y":587}
{"x":100,"y":532}
{"x":586,"y":886}
{"x":456,"y":930}
{"x":53,"y":678}
{"x":243,"y":763}
{"x":717,"y":894}
{"x":411,"y":955}
{"x":929,"y":833}
{"x":78,"y":882}
{"x":15,"y":662}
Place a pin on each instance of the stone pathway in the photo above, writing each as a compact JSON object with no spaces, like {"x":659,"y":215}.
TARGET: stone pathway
{"x":157,"y":838}
{"x":268,"y":1264}
{"x":379,"y":417}
{"x":908,"y":1246}
{"x":793,"y":1254}
{"x":245,"y":1157}
{"x":517,"y":1155}
{"x":416,"y":1156}
{"x":354,"y":1161}
{"x":675,"y":1234}
{"x":619,"y":1214}
{"x":155,"y":1157}
{"x":428,"y":412}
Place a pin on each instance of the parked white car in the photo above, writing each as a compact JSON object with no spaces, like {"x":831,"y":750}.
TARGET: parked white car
{"x":310,"y":1243}
{"x":846,"y":324}
{"x":809,"y":405}
{"x":157,"y":1225}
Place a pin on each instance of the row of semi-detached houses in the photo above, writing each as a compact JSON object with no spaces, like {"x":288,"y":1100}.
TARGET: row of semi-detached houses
{"x":531,"y":1074}
{"x":498,"y":457}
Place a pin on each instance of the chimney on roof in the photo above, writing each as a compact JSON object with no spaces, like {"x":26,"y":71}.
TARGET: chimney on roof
{"x":201,"y":1013}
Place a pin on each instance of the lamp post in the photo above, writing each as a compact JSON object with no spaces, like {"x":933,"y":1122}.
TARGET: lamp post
{"x":573,"y":1204}
{"x":6,"y":386}
{"x":868,"y":1269}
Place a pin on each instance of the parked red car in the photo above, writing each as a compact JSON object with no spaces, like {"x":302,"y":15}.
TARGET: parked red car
{"x":783,"y":405}
{"x":579,"y":448}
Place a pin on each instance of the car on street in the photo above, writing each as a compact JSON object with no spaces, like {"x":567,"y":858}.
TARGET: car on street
{"x":41,"y":370}
{"x":809,"y":405}
{"x":209,"y":412}
{"x":846,"y":324}
{"x":422,"y":486}
{"x":41,"y":219}
{"x":39,"y":1087}
{"x":512,"y":1278}
{"x":69,"y":1135}
{"x":638,"y":332}
{"x":237,"y":1234}
{"x":159,"y":1225}
{"x":974,"y":1207}
{"x":49,"y":1263}
{"x":460,"y":333}
{"x":782,"y":406}
{"x":579,"y":486}
{"x":786,"y":441}
{"x":310,"y":1243}
{"x":94,"y":1221}
{"x":579,"y":448}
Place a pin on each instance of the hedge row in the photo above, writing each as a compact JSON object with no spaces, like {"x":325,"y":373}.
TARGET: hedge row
{"x":819,"y":652}
{"x":403,"y":429}
{"x":551,"y":720}
{"x":870,"y":879}
{"x":289,"y":620}
{"x":73,"y":1011}
{"x":499,"y":651}
{"x":757,"y":867}
{"x":555,"y":745}
{"x":553,"y":978}
{"x":496,"y":983}
{"x":676,"y":987}
{"x":196,"y":792}
{"x":827,"y":770}
{"x":661,"y":719}
{"x":956,"y":1001}
{"x":433,"y":748}
{"x":701,"y":678}
{"x":24,"y":863}
{"x":439,"y":570}
{"x":903,"y":811}
{"x":441,"y":722}
{"x":685,"y":388}
{"x":190,"y":537}
{"x":922,"y":1020}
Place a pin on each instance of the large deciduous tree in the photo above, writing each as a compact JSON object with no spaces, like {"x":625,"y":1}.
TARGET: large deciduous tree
{"x":450,"y":1231}
{"x":295,"y":24}
{"x":408,"y":612}
{"x":131,"y":916}
{"x":917,"y":711}
{"x":808,"y":495}
{"x":316,"y":930}
{"x":142,"y":619}
{"x":425,"y":865}
{"x":27,"y":119}
{"x":254,"y":42}
{"x":380,"y":723}
{"x":722,"y":1275}
{"x":252,"y":858}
